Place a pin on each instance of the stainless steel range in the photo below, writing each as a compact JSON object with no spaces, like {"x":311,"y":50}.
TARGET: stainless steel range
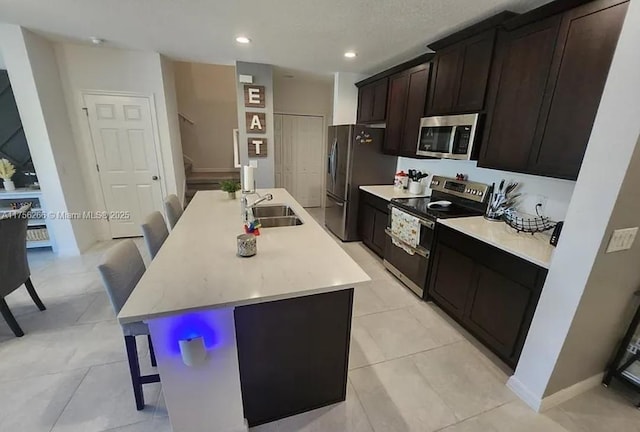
{"x":407,"y":254}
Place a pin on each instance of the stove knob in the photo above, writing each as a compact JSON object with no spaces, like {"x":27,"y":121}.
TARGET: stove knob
{"x":480,"y":193}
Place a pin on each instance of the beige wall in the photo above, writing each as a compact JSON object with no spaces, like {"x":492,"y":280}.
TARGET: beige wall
{"x":607,"y":304}
{"x":85,"y":68}
{"x":206,"y":94}
{"x":37,"y":86}
{"x":172,"y":124}
{"x":303,"y":95}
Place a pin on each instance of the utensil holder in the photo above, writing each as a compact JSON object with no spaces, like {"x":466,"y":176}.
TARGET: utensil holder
{"x":415,"y":187}
{"x":247,"y":245}
{"x":495,"y":209}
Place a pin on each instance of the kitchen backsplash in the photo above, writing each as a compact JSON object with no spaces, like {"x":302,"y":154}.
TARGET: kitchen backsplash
{"x":557,"y":192}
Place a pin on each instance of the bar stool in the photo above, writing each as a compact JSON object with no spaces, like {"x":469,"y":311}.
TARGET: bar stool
{"x":174,"y":209}
{"x":155,"y":232}
{"x":121,"y":269}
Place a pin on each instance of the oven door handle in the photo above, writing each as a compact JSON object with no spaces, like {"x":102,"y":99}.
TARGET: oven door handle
{"x":419,"y":250}
{"x":424,"y":222}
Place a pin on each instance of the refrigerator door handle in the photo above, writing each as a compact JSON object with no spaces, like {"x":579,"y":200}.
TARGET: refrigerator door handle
{"x":333,"y":160}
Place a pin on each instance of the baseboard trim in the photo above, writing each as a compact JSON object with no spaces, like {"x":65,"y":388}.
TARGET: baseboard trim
{"x":559,"y":397}
{"x":523,"y":393}
{"x":570,"y":392}
{"x":215,"y":170}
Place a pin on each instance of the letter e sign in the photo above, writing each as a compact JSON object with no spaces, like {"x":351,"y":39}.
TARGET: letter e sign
{"x":254,"y":96}
{"x":256,"y":122}
{"x":257,"y":147}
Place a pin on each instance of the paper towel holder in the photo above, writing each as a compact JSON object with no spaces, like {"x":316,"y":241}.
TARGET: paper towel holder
{"x":193,"y":351}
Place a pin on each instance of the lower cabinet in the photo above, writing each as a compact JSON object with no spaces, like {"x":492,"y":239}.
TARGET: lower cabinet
{"x":293,"y":354}
{"x":492,"y":293}
{"x":452,"y":281}
{"x":373,"y":216}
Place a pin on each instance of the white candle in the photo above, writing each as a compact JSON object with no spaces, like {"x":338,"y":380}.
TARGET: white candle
{"x":247,"y":178}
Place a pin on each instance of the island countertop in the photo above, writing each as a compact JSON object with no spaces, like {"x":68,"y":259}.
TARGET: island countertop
{"x":197,"y":267}
{"x":533,"y":248}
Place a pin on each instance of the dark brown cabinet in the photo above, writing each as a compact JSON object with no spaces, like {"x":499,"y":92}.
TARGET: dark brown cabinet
{"x":373,"y":215}
{"x":293,"y":354}
{"x":460,"y":76}
{"x":545,"y":89}
{"x":493,"y":294}
{"x":497,"y":309}
{"x":588,"y":37}
{"x":406,"y":101}
{"x":372,"y":102}
{"x":452,"y":280}
{"x":523,"y":61}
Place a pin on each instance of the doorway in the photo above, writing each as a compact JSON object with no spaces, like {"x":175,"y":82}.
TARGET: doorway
{"x":299,"y":152}
{"x":124,"y":142}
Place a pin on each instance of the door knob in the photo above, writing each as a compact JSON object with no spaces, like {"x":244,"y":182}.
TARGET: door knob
{"x":154,"y":178}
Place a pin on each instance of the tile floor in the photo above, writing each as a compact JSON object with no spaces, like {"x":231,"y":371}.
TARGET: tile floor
{"x":411,"y":369}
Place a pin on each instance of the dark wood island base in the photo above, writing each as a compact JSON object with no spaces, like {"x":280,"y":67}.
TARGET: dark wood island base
{"x":293,"y":354}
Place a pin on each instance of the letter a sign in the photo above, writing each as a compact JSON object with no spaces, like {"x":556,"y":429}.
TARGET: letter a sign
{"x":256,"y":123}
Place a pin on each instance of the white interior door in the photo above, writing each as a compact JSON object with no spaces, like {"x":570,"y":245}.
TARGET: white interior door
{"x":299,"y":144}
{"x":124,"y":142}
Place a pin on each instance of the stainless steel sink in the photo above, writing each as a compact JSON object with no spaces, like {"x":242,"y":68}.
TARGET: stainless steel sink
{"x":275,"y":210}
{"x":279,"y":221}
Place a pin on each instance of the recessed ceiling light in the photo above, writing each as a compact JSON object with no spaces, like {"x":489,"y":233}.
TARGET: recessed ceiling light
{"x":350,"y":54}
{"x":96,"y":40}
{"x":243,"y":39}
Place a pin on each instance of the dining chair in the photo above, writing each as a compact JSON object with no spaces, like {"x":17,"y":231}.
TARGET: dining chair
{"x":155,"y":232}
{"x":121,"y":268}
{"x":173,"y":208}
{"x":14,"y":267}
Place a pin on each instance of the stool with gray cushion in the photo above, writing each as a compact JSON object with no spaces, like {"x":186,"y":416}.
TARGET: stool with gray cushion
{"x":14,"y":268}
{"x":121,"y":269}
{"x":174,"y":209}
{"x":155,"y":232}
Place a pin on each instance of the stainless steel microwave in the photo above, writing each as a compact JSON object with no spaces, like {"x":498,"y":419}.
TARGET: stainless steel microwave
{"x":448,"y":137}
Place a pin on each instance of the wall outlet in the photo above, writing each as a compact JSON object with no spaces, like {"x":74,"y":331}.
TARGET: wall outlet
{"x":253,"y":163}
{"x":622,"y":239}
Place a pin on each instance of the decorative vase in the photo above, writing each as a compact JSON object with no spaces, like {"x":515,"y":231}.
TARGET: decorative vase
{"x":9,"y":185}
{"x":232,"y":195}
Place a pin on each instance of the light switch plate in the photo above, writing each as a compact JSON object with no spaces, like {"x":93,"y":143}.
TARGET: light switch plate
{"x":622,"y":239}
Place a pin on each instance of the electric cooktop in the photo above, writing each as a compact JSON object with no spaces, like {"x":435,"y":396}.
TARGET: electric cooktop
{"x":419,"y":207}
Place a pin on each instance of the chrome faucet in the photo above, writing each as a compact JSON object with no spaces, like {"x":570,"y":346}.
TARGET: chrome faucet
{"x":247,"y":209}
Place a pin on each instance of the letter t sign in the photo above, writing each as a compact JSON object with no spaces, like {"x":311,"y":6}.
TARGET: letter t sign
{"x":257,"y":147}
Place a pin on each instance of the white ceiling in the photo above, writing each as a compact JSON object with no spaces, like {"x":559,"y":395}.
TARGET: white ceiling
{"x":300,"y":34}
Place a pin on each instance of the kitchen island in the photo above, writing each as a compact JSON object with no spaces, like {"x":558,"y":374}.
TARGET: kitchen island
{"x":276,"y":326}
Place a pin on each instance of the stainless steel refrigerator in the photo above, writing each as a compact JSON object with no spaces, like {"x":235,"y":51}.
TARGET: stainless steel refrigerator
{"x":354,"y":158}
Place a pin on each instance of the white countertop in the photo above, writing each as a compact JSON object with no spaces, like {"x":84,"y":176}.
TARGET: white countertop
{"x":197,"y":267}
{"x":533,"y":248}
{"x":388,"y":192}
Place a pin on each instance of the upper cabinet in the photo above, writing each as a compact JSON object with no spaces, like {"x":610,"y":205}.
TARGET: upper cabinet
{"x":406,"y":101}
{"x":523,"y":61}
{"x":547,"y":80}
{"x":460,"y":75}
{"x":372,"y":102}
